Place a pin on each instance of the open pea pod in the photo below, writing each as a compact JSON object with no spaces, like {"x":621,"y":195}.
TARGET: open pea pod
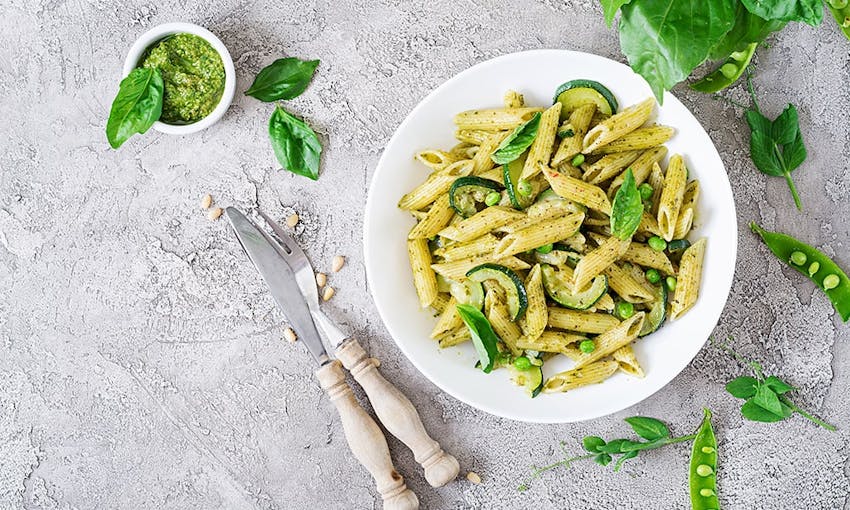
{"x":728,"y":72}
{"x":810,"y":261}
{"x":840,"y":10}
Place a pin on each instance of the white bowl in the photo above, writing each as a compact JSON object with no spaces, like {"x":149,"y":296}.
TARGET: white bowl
{"x":536,"y":74}
{"x":160,"y":32}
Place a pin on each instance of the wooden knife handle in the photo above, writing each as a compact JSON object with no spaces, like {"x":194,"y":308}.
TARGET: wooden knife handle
{"x":366,"y":440}
{"x":398,"y":415}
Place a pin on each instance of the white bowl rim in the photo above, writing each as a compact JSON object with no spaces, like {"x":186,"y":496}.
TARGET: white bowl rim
{"x":159,"y":32}
{"x":367,"y":221}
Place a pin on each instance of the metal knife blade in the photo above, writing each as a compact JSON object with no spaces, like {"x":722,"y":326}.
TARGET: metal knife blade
{"x":280,"y":279}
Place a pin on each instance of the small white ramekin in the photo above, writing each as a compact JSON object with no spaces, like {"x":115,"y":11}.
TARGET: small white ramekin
{"x":134,"y":56}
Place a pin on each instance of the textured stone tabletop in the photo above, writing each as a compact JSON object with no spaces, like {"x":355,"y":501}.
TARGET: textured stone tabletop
{"x":141,"y":360}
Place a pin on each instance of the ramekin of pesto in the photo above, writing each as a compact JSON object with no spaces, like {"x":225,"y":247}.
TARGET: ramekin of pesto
{"x":193,"y":77}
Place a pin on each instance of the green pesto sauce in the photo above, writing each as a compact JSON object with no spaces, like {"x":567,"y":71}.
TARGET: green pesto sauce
{"x":193,"y":77}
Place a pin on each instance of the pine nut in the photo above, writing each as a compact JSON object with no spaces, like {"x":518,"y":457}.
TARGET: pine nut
{"x":292,"y":220}
{"x":321,"y":279}
{"x":337,"y":263}
{"x":206,"y":202}
{"x":328,"y":293}
{"x":290,"y":335}
{"x":473,"y":477}
{"x":214,"y":213}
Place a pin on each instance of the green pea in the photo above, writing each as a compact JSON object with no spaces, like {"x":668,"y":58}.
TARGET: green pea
{"x":524,"y":187}
{"x":704,"y":470}
{"x":707,"y":449}
{"x":831,"y":281}
{"x":813,"y":268}
{"x":838,"y":4}
{"x":729,"y":70}
{"x":522,"y":363}
{"x":578,"y":160}
{"x":546,"y":248}
{"x":653,"y":276}
{"x":624,"y":309}
{"x":645,"y":191}
{"x":671,"y":283}
{"x":657,"y":243}
{"x":492,"y":198}
{"x":706,"y":493}
{"x":799,"y":258}
{"x":587,"y":346}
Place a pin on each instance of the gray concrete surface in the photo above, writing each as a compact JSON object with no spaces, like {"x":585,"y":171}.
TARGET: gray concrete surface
{"x":141,"y":361}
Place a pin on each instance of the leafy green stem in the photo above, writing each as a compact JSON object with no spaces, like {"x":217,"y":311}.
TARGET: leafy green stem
{"x":793,"y":189}
{"x":785,"y":400}
{"x":659,"y":443}
{"x":537,"y":471}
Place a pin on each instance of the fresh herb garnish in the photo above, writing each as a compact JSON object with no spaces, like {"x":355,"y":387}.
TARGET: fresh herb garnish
{"x":136,"y":107}
{"x":484,"y":338}
{"x":776,"y":147}
{"x":627,"y":208}
{"x":655,"y":432}
{"x":517,"y":142}
{"x":285,"y":78}
{"x":808,"y":11}
{"x":766,"y":399}
{"x":295,"y":144}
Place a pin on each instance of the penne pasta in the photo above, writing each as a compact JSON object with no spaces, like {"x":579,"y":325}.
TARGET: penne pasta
{"x":449,"y":320}
{"x":455,"y":337}
{"x":571,"y":144}
{"x":576,"y":378}
{"x":639,"y":139}
{"x":513,"y":99}
{"x":539,"y":234}
{"x":435,"y":159}
{"x":577,"y":190}
{"x":551,"y":341}
{"x":598,"y":260}
{"x":641,"y":168}
{"x":481,"y":223}
{"x":656,"y":180}
{"x":628,"y":362}
{"x":483,"y":245}
{"x":609,"y":166}
{"x":642,"y":254}
{"x":457,"y":269}
{"x":618,"y":125}
{"x":482,"y":162}
{"x":611,"y":340}
{"x":688,"y":284}
{"x":540,"y":151}
{"x":441,"y":302}
{"x":672,"y":196}
{"x":424,"y":278}
{"x":472,"y":136}
{"x":497,"y":119}
{"x":583,"y":322}
{"x":685,"y":221}
{"x":426,"y":193}
{"x":629,"y":289}
{"x":499,"y":317}
{"x":437,"y":217}
{"x":536,"y":315}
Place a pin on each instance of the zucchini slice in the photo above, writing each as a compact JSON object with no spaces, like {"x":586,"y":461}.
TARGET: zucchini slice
{"x":657,"y":313}
{"x":531,"y":379}
{"x":468,"y":192}
{"x":678,"y":245}
{"x":511,"y":173}
{"x":514,"y":288}
{"x":575,"y":93}
{"x":557,"y":288}
{"x":467,"y":292}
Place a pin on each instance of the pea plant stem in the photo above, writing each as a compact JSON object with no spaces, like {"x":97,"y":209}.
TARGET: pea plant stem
{"x":793,"y":191}
{"x":785,"y":400}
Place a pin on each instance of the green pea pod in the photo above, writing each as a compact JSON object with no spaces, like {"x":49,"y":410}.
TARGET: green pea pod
{"x":813,"y":263}
{"x":728,"y":72}
{"x":703,"y":469}
{"x":841,"y":12}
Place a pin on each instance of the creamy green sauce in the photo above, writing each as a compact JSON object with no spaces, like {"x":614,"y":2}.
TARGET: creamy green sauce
{"x":193,"y":77}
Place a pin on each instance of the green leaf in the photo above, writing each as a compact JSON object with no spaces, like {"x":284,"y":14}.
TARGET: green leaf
{"x":626,"y":456}
{"x":748,"y":28}
{"x":763,"y":154}
{"x":515,"y":144}
{"x":136,"y":107}
{"x":648,"y":428}
{"x":627,"y":209}
{"x":778,"y":385}
{"x":295,"y":144}
{"x":742,"y":387}
{"x":603,"y":459}
{"x":610,"y":8}
{"x":484,"y":338}
{"x":664,"y":40}
{"x":755,"y":412}
{"x":285,"y":78}
{"x":767,"y":399}
{"x":592,"y":443}
{"x":613,"y":446}
{"x":807,"y":11}
{"x":795,"y":152}
{"x":786,"y":127}
{"x":758,"y":122}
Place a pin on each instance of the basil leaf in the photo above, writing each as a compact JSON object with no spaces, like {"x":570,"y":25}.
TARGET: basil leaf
{"x":484,"y":338}
{"x":515,"y":144}
{"x":295,"y":145}
{"x":592,"y":443}
{"x":767,"y":399}
{"x":626,"y":456}
{"x":664,"y":40}
{"x":648,"y":428}
{"x":755,"y":412}
{"x":742,"y":387}
{"x":627,"y":208}
{"x":748,"y":28}
{"x":285,"y":78}
{"x":136,"y":107}
{"x":610,"y":8}
{"x":808,"y":11}
{"x":778,"y":385}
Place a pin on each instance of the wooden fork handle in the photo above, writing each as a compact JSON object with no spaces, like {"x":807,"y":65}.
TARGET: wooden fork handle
{"x":366,"y":440}
{"x":398,"y":415}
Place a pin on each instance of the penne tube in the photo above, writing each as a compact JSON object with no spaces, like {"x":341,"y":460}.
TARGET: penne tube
{"x":536,"y":315}
{"x":593,"y":373}
{"x":424,"y":278}
{"x":551,"y":341}
{"x":611,"y":340}
{"x":577,"y":190}
{"x":641,"y":168}
{"x":672,"y":197}
{"x":583,"y":322}
{"x":539,"y":234}
{"x":540,"y":151}
{"x":481,"y":223}
{"x":629,"y":289}
{"x":618,"y":125}
{"x":426,"y":193}
{"x":639,"y":139}
{"x":435,"y":159}
{"x":449,"y":320}
{"x":609,"y":166}
{"x":687,"y":213}
{"x":457,"y":269}
{"x":437,"y":217}
{"x":627,"y":360}
{"x":688,"y":282}
{"x":571,"y":145}
{"x":497,"y":119}
{"x":483,"y":245}
{"x":598,"y":260}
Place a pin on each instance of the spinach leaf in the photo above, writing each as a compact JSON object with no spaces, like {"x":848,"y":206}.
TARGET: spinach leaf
{"x":776,"y":147}
{"x":285,"y":78}
{"x":664,"y":40}
{"x":808,"y":11}
{"x":136,"y":107}
{"x":748,"y":29}
{"x":295,"y":144}
{"x":484,"y":338}
{"x":627,"y":209}
{"x":516,"y":143}
{"x":648,"y":428}
{"x":610,"y":8}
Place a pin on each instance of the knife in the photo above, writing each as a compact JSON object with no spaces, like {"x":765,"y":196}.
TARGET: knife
{"x":363,"y":435}
{"x":393,"y":408}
